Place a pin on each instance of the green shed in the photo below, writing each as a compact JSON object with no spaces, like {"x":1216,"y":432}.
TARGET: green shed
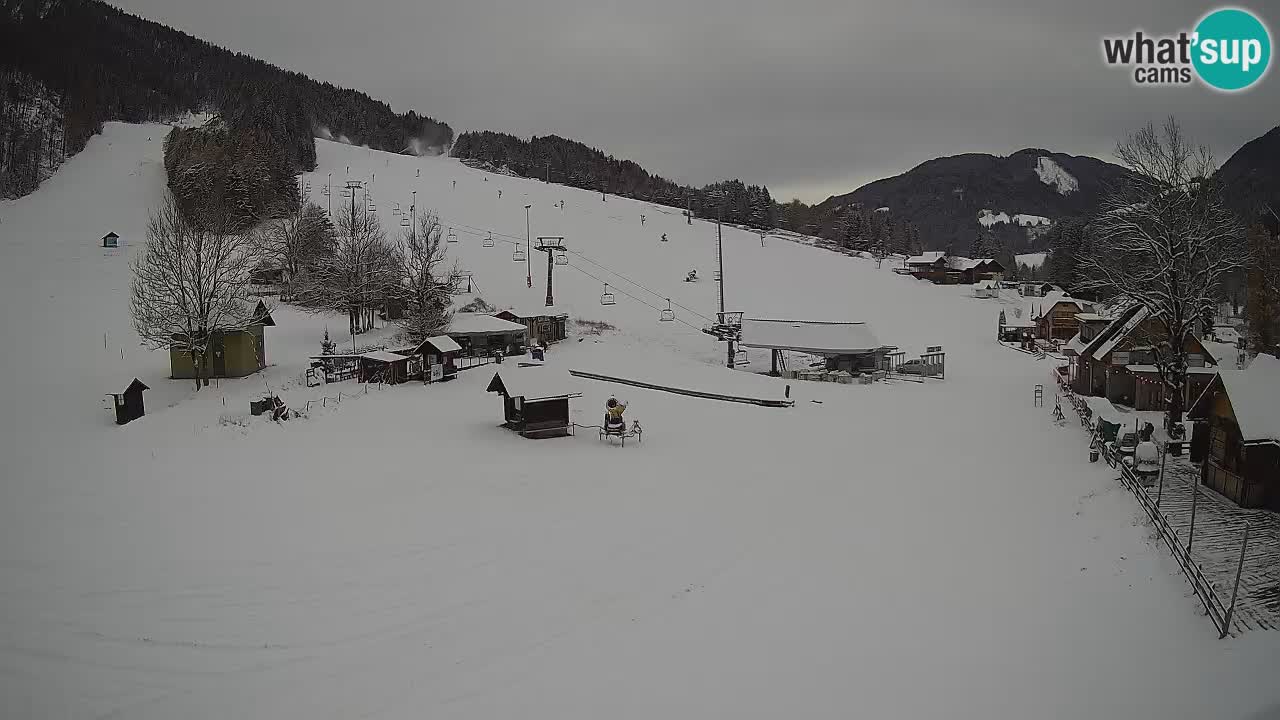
{"x":231,"y":354}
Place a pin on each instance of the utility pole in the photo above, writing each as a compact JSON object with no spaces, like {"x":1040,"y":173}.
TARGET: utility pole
{"x":528,"y":263}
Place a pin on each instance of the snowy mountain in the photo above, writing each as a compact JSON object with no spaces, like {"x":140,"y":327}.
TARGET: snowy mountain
{"x":952,"y":198}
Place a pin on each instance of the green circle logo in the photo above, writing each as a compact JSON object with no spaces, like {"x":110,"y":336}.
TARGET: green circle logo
{"x":1232,"y":49}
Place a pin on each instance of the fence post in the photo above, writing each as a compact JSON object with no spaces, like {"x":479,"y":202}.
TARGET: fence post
{"x":1195,"y":494}
{"x":1160,"y":490}
{"x":1231,"y":610}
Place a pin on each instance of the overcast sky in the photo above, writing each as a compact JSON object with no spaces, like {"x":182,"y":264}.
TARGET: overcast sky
{"x":809,"y":97}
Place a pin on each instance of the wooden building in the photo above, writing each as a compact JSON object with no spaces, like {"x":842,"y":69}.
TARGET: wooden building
{"x":128,"y":402}
{"x":439,"y":355}
{"x":535,"y":400}
{"x":1119,"y":363}
{"x":931,"y":266}
{"x":231,"y":354}
{"x":480,"y":334}
{"x":1238,"y":434}
{"x":389,"y":367}
{"x":111,"y":240}
{"x":1056,"y":316}
{"x":544,"y":325}
{"x":848,"y":346}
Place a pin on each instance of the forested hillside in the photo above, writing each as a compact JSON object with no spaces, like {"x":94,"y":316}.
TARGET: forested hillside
{"x":104,"y":64}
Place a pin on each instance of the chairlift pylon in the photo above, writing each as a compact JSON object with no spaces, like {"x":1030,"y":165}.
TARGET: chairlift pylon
{"x":607,"y":297}
{"x":488,"y":241}
{"x":668,"y":314}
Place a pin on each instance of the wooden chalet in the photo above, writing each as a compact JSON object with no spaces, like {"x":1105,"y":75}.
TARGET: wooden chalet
{"x":230,"y":354}
{"x":1056,"y":316}
{"x":1237,"y":433}
{"x":480,"y":334}
{"x":535,"y":400}
{"x":1118,"y":363}
{"x":930,"y":266}
{"x":111,"y":240}
{"x":544,"y":325}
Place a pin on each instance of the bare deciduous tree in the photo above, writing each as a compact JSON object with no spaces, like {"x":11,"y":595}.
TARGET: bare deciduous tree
{"x":357,"y":277}
{"x":298,"y":242}
{"x":429,"y":286}
{"x":1165,"y":240}
{"x":191,"y":284}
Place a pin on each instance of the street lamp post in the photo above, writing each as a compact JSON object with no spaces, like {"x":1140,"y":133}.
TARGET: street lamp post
{"x":528,"y":265}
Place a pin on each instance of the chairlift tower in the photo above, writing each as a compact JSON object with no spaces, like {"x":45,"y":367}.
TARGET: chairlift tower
{"x":553,"y":246}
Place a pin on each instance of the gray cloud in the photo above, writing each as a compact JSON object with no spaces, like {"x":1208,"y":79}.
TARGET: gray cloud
{"x":811,"y":98}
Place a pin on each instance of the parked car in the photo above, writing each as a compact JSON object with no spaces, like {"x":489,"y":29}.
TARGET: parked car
{"x":914,"y":367}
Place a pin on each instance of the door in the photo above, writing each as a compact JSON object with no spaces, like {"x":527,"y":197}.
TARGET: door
{"x":219,"y":357}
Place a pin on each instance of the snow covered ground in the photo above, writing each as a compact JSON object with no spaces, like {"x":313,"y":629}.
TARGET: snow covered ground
{"x":896,"y":550}
{"x":1031,"y":259}
{"x":1051,"y":173}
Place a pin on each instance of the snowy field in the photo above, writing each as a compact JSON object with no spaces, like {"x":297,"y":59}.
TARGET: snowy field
{"x":898,"y":550}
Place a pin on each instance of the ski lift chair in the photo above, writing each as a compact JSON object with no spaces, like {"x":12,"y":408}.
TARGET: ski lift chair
{"x":372,"y":207}
{"x":562,"y":259}
{"x":404,"y":222}
{"x":452,"y":236}
{"x":740,"y":357}
{"x":518,"y":255}
{"x":668,"y":314}
{"x":488,"y":241}
{"x":607,"y":297}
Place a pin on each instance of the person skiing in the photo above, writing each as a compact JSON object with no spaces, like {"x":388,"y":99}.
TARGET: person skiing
{"x":664,"y":237}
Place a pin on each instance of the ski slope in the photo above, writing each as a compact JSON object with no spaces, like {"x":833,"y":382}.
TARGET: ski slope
{"x":897,"y":550}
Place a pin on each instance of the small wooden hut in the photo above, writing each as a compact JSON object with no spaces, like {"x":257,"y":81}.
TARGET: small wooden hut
{"x":439,"y":355}
{"x":110,"y":240}
{"x":535,"y":400}
{"x":128,"y":402}
{"x":544,"y":325}
{"x":389,"y":367}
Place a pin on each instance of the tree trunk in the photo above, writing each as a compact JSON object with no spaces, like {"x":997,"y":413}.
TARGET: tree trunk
{"x":195,"y":368}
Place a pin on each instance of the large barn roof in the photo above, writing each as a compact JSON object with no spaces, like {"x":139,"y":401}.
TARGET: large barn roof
{"x":809,"y":336}
{"x":480,"y":324}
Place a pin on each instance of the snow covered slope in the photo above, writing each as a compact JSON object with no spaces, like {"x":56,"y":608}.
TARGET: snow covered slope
{"x":896,"y":550}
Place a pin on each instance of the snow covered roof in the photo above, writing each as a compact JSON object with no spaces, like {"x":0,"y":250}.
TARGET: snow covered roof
{"x":1254,"y":394}
{"x":257,"y":311}
{"x":1075,"y":345}
{"x":481,"y":324}
{"x":442,"y":343}
{"x":382,"y":356}
{"x":1122,"y":331}
{"x":1091,"y":317}
{"x":534,"y":383}
{"x":534,"y":311}
{"x":810,"y":336}
{"x":927,"y":258}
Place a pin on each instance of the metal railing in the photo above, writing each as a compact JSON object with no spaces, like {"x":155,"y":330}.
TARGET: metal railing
{"x":1219,"y":612}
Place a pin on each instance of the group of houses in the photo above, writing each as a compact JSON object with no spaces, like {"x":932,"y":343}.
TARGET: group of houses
{"x":1115,"y":358}
{"x":242,"y":352}
{"x":940,"y":268}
